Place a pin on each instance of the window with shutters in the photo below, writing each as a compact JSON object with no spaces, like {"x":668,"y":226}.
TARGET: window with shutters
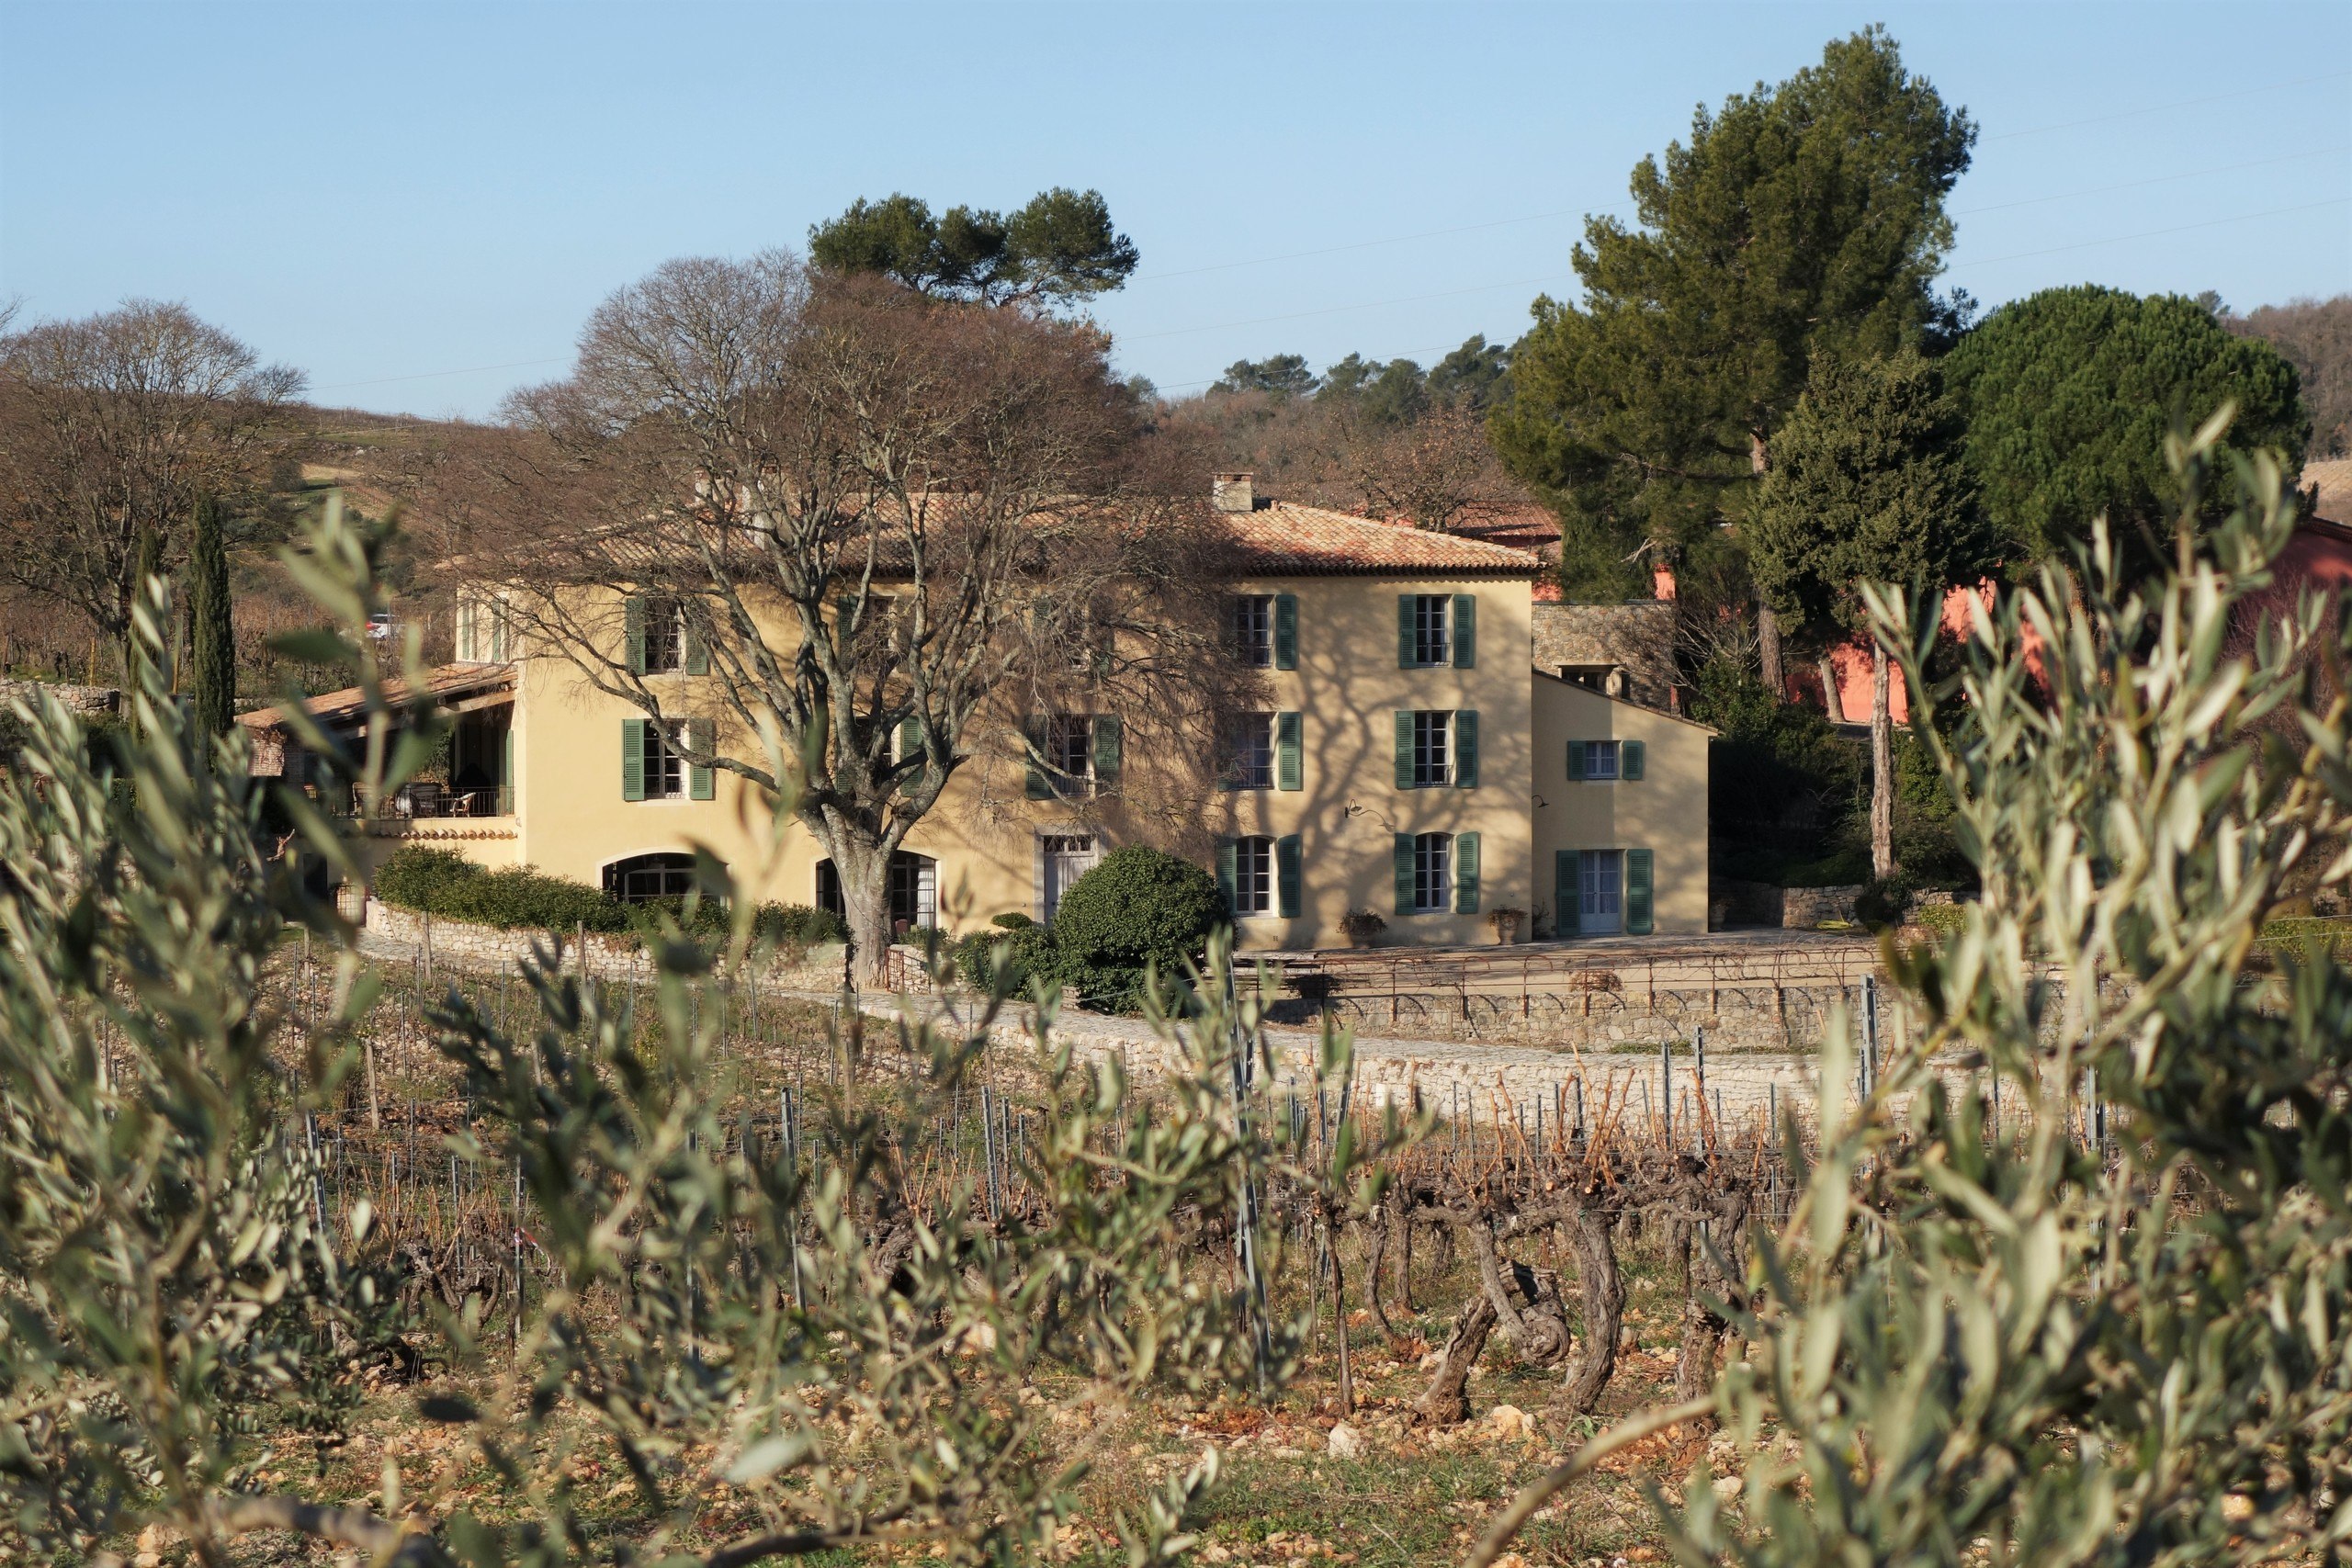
{"x":484,"y":633}
{"x":1250,"y":750}
{"x":665,"y":770}
{"x":1600,"y":758}
{"x":1253,"y":876}
{"x":1068,"y":746}
{"x":1433,"y":749}
{"x":665,"y":637}
{"x":1253,"y":630}
{"x":1432,"y":873}
{"x":1433,"y":629}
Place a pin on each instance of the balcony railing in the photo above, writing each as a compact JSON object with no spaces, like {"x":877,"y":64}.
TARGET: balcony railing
{"x":426,"y":801}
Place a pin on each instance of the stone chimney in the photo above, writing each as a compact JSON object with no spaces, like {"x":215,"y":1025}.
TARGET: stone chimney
{"x":1234,"y":492}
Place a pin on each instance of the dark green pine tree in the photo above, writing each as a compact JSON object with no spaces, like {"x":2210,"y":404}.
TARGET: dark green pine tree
{"x":1802,"y":216}
{"x":212,"y":649}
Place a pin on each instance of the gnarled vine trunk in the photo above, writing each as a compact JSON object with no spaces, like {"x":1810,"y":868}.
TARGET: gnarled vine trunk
{"x":1446,"y":1402}
{"x":1602,"y":1290}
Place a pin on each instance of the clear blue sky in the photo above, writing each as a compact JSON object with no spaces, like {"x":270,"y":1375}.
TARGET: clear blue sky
{"x":418,"y":204}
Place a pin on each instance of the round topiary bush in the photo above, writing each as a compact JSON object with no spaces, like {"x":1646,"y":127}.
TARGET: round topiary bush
{"x":1140,"y":906}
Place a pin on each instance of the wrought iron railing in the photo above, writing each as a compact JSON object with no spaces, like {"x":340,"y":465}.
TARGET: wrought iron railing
{"x":427,"y":801}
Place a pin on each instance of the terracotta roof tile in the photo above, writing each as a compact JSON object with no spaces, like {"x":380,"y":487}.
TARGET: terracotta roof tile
{"x":443,"y":683}
{"x":1289,"y":540}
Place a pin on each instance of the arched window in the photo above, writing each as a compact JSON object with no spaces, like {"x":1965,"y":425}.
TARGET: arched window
{"x":641,"y":878}
{"x":915,"y":891}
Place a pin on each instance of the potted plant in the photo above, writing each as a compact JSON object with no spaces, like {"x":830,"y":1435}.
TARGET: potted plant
{"x":1362,"y":926}
{"x":1508,"y":924}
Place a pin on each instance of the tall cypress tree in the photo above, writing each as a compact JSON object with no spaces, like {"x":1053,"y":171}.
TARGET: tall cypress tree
{"x":212,"y":649}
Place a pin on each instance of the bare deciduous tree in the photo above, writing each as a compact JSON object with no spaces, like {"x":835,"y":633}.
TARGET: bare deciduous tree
{"x":1438,"y":472}
{"x":891,"y":530}
{"x":110,"y":426}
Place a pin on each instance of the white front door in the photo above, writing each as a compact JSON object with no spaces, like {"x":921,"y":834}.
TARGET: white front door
{"x":1068,"y":857}
{"x":1602,"y":880}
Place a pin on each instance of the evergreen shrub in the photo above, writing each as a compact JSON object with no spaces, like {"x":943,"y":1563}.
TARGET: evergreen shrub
{"x":1139,"y":907}
{"x":439,"y":882}
{"x":1028,"y":950}
{"x":1883,"y":903}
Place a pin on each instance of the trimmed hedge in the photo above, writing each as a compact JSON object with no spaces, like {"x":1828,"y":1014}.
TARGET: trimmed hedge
{"x":439,"y":882}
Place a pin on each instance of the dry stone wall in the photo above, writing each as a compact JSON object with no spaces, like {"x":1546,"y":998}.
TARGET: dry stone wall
{"x":468,"y":946}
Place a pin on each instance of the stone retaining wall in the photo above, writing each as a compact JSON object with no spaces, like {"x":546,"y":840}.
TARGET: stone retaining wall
{"x":1747,"y":1017}
{"x":470,"y":946}
{"x":72,"y":698}
{"x":1802,"y":909}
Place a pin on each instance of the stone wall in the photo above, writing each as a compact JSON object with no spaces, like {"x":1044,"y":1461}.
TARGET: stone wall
{"x":1636,"y":636}
{"x":74,"y":698}
{"x":1736,"y":1019}
{"x":1802,"y":909}
{"x":468,"y":946}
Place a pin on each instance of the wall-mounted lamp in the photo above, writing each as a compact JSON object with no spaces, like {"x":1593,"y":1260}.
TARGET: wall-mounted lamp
{"x":1539,"y":802}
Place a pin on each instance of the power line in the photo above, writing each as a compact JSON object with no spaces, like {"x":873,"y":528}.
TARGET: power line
{"x":1983,"y":261}
{"x":1566,"y":213}
{"x":1367,"y":244}
{"x":2160,"y":179}
{"x":2153,"y":233}
{"x":2183,"y":104}
{"x":1336,"y":310}
{"x":1587,"y":211}
{"x":430,"y":375}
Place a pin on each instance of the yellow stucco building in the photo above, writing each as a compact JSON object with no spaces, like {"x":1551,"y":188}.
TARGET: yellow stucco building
{"x":1410,"y":763}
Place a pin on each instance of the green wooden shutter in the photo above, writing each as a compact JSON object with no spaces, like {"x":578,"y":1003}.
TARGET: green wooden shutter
{"x":1466,"y":873}
{"x":1404,"y":648}
{"x":1466,"y":631}
{"x":1289,"y":764}
{"x":1466,"y":748}
{"x":1629,"y":761}
{"x":1403,"y":748}
{"x":1107,"y":752}
{"x":1289,"y":878}
{"x":701,"y":781}
{"x":1285,"y":631}
{"x":1576,"y":762}
{"x":633,"y":620}
{"x":1403,"y":873}
{"x":1229,"y":871}
{"x":1638,"y":901}
{"x":1567,"y":897}
{"x":698,"y":651}
{"x":506,"y":773}
{"x":1033,"y":735}
{"x":910,"y":739}
{"x":633,"y":759}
